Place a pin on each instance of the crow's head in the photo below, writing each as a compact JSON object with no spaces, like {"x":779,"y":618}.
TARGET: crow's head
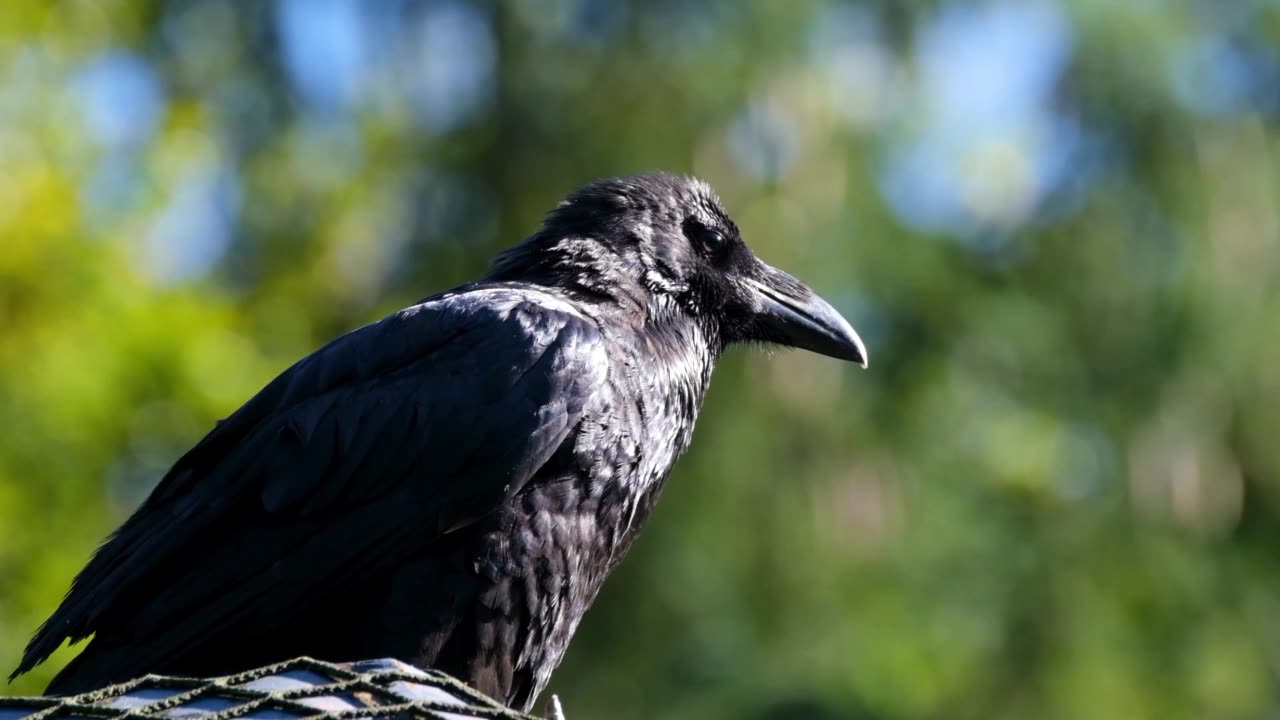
{"x":663,"y":244}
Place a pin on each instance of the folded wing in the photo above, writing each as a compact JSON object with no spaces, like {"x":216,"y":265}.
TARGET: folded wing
{"x":351,"y":460}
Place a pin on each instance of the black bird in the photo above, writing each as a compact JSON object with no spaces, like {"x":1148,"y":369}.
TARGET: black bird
{"x":452,"y":484}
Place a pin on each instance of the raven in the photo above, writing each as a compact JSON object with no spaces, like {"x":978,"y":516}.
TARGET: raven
{"x":450,"y":485}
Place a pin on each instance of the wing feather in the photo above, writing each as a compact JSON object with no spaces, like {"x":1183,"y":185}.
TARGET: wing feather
{"x":338,"y":469}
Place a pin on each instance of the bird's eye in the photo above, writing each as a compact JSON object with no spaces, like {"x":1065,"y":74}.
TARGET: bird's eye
{"x":706,"y":239}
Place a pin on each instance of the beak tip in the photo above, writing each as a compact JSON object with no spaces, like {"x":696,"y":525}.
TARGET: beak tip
{"x":842,"y":343}
{"x":859,"y":354}
{"x":849,"y":342}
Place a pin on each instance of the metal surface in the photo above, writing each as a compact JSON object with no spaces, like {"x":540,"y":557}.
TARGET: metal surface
{"x":299,"y":688}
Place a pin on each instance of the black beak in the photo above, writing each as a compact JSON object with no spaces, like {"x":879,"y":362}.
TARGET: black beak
{"x":789,"y":313}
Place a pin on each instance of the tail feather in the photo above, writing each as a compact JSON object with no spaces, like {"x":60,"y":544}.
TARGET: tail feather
{"x":86,"y":671}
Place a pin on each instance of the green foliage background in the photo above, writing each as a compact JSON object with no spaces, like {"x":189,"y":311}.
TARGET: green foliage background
{"x":1055,"y":493}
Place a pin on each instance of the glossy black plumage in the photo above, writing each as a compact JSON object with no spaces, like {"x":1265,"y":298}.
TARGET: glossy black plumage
{"x":450,"y":485}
